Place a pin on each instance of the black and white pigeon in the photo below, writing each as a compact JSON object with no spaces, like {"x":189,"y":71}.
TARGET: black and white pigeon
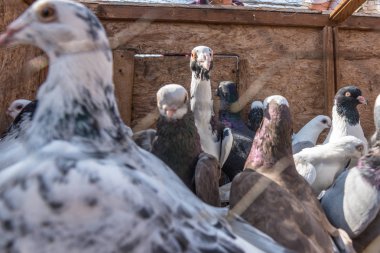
{"x":16,"y":106}
{"x":307,"y":136}
{"x":320,"y":165}
{"x":345,"y":115}
{"x":255,"y":115}
{"x":376,"y":116}
{"x":84,"y":185}
{"x":177,"y":143}
{"x":216,"y":139}
{"x":353,"y":202}
{"x":272,"y":144}
{"x":242,"y":135}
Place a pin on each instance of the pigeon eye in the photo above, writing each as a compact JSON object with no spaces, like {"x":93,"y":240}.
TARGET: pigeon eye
{"x":360,"y":148}
{"x":324,"y":121}
{"x":19,"y":107}
{"x":347,"y":94}
{"x":47,"y":14}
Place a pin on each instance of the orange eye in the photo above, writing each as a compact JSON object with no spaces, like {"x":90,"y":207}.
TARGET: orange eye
{"x":47,"y":13}
{"x":347,"y":94}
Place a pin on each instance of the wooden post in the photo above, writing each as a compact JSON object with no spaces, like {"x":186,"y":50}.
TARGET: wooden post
{"x":123,"y":79}
{"x":345,"y":9}
{"x":329,"y":68}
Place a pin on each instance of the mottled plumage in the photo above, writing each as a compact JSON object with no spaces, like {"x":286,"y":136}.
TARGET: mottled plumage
{"x":84,"y":185}
{"x":308,"y":135}
{"x":345,"y":115}
{"x":353,"y":202}
{"x":216,"y":139}
{"x":272,"y":143}
{"x":320,"y":165}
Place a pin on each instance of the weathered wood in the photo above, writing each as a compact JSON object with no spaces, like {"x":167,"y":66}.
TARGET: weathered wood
{"x":232,"y":15}
{"x":329,"y":68}
{"x":360,"y":71}
{"x":123,"y":79}
{"x":345,"y":9}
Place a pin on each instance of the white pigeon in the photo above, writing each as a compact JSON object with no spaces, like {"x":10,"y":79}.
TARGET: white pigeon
{"x":376,"y":116}
{"x":16,"y":106}
{"x":345,"y":115}
{"x":215,"y":140}
{"x":321,"y":164}
{"x":353,"y":202}
{"x":85,"y":186}
{"x":308,"y":135}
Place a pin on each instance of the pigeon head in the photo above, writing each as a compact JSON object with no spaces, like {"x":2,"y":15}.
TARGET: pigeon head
{"x":352,"y":146}
{"x":322,"y":121}
{"x":201,"y":62}
{"x":172,"y":101}
{"x":227,"y":91}
{"x":16,"y":106}
{"x":257,"y":105}
{"x":369,"y":165}
{"x":346,"y":101}
{"x":48,"y":24}
{"x":273,"y":139}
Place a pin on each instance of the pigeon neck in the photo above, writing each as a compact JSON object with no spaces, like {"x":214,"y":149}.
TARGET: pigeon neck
{"x":370,"y":169}
{"x":348,"y":112}
{"x":77,"y":102}
{"x":272,"y":142}
{"x":201,"y":99}
{"x":309,"y":132}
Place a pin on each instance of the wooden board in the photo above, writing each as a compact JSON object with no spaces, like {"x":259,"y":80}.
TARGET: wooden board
{"x":359,"y":64}
{"x":345,"y":9}
{"x":275,"y":60}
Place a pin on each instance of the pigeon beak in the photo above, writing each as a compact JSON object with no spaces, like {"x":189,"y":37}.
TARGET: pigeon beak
{"x":8,"y":37}
{"x":170,"y":113}
{"x":362,"y":100}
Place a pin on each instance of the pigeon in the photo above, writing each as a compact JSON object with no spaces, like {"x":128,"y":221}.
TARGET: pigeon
{"x":320,"y":165}
{"x":345,"y":115}
{"x":216,"y":139}
{"x":84,"y":185}
{"x":228,"y":94}
{"x":308,"y":135}
{"x":255,"y":115}
{"x":277,"y":213}
{"x":271,"y":144}
{"x":177,"y":143}
{"x":145,"y":138}
{"x":242,"y":135}
{"x":353,"y":202}
{"x":376,"y":113}
{"x":16,"y":106}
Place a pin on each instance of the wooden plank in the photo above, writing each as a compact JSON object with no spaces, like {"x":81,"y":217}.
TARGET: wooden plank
{"x":207,"y":14}
{"x":123,"y":79}
{"x":329,"y":68}
{"x":345,"y":9}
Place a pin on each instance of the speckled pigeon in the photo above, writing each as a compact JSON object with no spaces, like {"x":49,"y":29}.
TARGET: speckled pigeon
{"x":84,"y":185}
{"x":16,"y":106}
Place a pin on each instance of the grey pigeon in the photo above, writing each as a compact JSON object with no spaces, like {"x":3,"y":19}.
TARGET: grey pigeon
{"x":345,"y":115}
{"x":216,"y":139}
{"x":16,"y":106}
{"x":320,"y":165}
{"x":255,"y":115}
{"x":84,"y":185}
{"x":271,"y":144}
{"x":177,"y":143}
{"x":353,"y":202}
{"x":308,"y":135}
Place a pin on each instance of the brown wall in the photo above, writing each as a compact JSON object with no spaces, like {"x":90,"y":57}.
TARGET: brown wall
{"x":275,"y":57}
